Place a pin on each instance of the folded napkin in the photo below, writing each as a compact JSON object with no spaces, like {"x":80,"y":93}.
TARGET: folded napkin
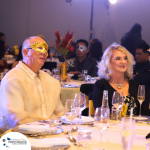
{"x":33,"y":127}
{"x":84,"y":120}
{"x":49,"y":142}
{"x":70,"y":85}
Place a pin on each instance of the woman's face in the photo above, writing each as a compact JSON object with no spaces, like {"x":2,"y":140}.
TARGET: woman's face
{"x":118,"y":62}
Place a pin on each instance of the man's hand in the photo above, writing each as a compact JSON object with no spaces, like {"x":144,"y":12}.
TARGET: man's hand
{"x":75,"y":72}
{"x":1,"y":63}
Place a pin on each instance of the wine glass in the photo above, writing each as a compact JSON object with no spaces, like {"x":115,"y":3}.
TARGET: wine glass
{"x":70,"y":111}
{"x":141,"y":97}
{"x":117,"y":102}
{"x":101,"y":120}
{"x":80,"y":102}
{"x":55,"y":73}
{"x":127,"y":133}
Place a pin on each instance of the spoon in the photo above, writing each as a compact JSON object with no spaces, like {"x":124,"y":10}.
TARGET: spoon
{"x":72,"y":139}
{"x":74,"y":129}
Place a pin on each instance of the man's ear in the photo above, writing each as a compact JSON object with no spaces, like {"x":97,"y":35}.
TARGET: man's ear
{"x":87,"y":50}
{"x":25,"y":52}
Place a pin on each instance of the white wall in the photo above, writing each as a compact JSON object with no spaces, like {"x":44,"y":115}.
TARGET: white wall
{"x":22,"y":18}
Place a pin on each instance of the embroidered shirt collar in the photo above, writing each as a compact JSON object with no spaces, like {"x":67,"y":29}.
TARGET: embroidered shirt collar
{"x":29,"y":72}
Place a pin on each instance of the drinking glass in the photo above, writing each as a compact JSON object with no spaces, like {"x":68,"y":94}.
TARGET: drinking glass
{"x":101,"y":120}
{"x":70,"y":111}
{"x":80,"y":102}
{"x":117,"y":102}
{"x":141,"y":96}
{"x":84,"y":72}
{"x":127,"y":133}
{"x":55,"y":73}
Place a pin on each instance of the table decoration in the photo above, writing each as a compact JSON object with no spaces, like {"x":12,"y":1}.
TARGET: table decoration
{"x":63,"y":45}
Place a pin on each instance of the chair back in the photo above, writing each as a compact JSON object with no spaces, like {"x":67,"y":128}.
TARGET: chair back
{"x":49,"y":65}
{"x":86,"y":89}
{"x":91,"y":106}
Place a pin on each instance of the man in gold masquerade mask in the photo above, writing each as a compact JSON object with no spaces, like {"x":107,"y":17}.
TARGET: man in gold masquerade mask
{"x":29,"y":94}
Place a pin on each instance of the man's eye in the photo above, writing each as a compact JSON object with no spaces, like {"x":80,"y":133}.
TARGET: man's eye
{"x":39,"y":47}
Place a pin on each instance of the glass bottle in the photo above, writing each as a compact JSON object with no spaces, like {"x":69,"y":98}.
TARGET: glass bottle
{"x":105,"y":101}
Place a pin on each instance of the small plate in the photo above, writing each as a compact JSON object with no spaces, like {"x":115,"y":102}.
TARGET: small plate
{"x":140,"y":118}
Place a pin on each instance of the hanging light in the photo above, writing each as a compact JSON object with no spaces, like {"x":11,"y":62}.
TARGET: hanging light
{"x":112,"y":1}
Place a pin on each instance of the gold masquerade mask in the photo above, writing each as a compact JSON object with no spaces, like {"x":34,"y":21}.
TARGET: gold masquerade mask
{"x":40,"y":47}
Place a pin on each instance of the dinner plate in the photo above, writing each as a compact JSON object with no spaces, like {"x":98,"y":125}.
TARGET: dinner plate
{"x":139,"y":118}
{"x":49,"y":143}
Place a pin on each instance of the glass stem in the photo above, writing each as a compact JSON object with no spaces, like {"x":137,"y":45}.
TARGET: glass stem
{"x":140,"y":110}
{"x":101,"y":132}
{"x":70,"y":126}
{"x":117,"y":116}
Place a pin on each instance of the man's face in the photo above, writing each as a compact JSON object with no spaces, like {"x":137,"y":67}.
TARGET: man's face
{"x":140,"y":56}
{"x":2,"y":38}
{"x":36,"y":58}
{"x":81,"y":54}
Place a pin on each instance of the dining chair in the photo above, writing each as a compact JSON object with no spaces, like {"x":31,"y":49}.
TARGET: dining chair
{"x":49,"y":65}
{"x":86,"y":89}
{"x":91,"y":106}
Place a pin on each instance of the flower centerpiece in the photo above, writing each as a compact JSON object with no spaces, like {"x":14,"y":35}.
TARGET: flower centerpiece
{"x":63,"y":45}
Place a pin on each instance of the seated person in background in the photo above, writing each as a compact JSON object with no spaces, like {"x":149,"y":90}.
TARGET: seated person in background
{"x":19,"y":58}
{"x":96,"y":50}
{"x":142,"y":73}
{"x":115,"y":72}
{"x":82,"y":62}
{"x":3,"y":63}
{"x":27,"y":93}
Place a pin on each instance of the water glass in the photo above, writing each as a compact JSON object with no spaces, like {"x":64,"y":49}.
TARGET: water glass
{"x":127,"y":133}
{"x":55,"y":126}
{"x":55,"y":73}
{"x":114,"y":113}
{"x":87,"y":78}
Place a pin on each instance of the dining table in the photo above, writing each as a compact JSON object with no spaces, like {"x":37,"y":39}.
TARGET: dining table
{"x":68,"y":89}
{"x":110,"y":139}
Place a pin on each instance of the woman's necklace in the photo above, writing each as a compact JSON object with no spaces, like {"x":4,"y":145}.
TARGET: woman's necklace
{"x":118,"y":85}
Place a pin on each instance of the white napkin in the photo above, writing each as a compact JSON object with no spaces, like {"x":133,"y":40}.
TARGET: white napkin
{"x":84,"y":119}
{"x":49,"y":142}
{"x":35,"y":127}
{"x":70,"y":85}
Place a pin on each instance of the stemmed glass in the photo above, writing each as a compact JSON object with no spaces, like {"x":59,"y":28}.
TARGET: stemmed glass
{"x":127,"y":133}
{"x":117,"y":102}
{"x":55,"y":73}
{"x":141,"y":97}
{"x":80,"y":102}
{"x":101,"y":120}
{"x":70,"y":111}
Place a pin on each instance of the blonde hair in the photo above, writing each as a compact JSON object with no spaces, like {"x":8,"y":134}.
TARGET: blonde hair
{"x":104,"y":66}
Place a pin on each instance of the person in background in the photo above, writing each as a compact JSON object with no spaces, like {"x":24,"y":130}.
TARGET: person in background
{"x":132,"y":38}
{"x":82,"y":62}
{"x":2,"y":45}
{"x":27,"y":93}
{"x":115,"y":71}
{"x":19,"y":58}
{"x":96,"y":50}
{"x":142,"y":74}
{"x":3,"y":63}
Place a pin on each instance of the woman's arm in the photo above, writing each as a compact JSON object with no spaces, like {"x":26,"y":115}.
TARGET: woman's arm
{"x":98,"y":93}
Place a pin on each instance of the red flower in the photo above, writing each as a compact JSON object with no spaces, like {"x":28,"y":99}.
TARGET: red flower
{"x":71,"y":48}
{"x":64,"y":44}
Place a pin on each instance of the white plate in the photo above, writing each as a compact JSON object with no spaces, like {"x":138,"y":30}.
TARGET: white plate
{"x":49,"y":143}
{"x":140,"y":118}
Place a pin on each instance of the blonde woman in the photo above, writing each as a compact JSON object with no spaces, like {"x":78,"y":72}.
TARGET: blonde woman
{"x":115,"y":71}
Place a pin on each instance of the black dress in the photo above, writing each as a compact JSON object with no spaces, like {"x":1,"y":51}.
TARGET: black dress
{"x":131,"y":99}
